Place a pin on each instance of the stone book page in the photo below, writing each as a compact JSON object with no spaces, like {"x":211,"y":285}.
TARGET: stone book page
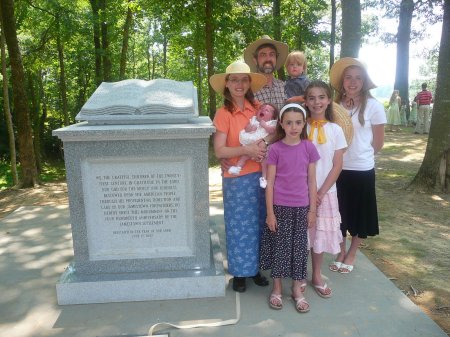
{"x":140,"y":97}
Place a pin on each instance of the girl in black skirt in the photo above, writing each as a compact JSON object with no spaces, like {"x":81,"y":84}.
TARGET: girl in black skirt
{"x":356,"y":183}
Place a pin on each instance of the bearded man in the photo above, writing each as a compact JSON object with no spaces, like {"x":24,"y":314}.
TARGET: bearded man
{"x":266,"y":56}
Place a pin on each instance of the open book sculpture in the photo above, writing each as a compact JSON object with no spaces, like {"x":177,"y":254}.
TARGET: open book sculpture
{"x":139,"y":101}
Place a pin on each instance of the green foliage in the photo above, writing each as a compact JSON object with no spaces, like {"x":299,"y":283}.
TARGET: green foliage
{"x":51,"y":171}
{"x":166,"y":39}
{"x":5,"y":175}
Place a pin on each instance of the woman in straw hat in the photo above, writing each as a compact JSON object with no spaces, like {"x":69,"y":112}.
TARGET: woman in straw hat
{"x":356,"y":183}
{"x":244,"y":202}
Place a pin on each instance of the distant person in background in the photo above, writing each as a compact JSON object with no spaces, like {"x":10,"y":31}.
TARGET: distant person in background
{"x":393,"y":115}
{"x":266,"y":56}
{"x":297,"y":81}
{"x":413,"y":114}
{"x":403,"y":115}
{"x":424,"y":99}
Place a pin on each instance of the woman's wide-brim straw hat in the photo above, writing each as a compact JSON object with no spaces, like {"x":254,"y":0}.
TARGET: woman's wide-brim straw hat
{"x":217,"y":81}
{"x":341,"y":118}
{"x":338,"y":68}
{"x":282,"y":51}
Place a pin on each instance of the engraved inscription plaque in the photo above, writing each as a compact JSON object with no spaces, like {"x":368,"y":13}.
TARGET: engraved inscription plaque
{"x":139,"y":207}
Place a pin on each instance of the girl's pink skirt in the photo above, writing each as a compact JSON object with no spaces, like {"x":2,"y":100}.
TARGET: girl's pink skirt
{"x":326,"y":235}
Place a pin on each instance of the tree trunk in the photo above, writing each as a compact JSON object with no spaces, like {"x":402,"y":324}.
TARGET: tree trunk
{"x":209,"y":36}
{"x":43,"y":117}
{"x":434,"y":173}
{"x":300,"y":26}
{"x":277,"y":30}
{"x":198,"y":63}
{"x":26,"y":149}
{"x":8,"y":119}
{"x":333,"y":31}
{"x":403,"y":39}
{"x":165,"y":54}
{"x":133,"y":57}
{"x":33,"y":95}
{"x":62,"y":74}
{"x":83,"y":77}
{"x":126,"y":36}
{"x":97,"y":44}
{"x":147,"y":54}
{"x":106,"y":53}
{"x":153,"y":65}
{"x":351,"y":28}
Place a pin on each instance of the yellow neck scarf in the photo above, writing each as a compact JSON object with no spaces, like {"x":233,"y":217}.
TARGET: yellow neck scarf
{"x":317,"y":124}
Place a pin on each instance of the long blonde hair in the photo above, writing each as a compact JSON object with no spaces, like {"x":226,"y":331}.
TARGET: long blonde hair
{"x":365,"y":94}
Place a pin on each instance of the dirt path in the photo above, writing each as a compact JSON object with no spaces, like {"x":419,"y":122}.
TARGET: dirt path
{"x":412,"y":249}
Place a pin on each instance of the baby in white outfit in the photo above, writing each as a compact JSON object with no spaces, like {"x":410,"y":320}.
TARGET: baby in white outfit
{"x":260,"y":126}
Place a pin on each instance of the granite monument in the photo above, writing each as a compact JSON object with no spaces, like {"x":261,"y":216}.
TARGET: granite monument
{"x":137,"y":176}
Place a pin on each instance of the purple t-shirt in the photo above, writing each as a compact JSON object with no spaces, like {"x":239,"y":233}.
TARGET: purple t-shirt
{"x":291,"y":179}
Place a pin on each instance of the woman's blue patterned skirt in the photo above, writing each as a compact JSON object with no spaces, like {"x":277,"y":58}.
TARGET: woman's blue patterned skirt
{"x":245,"y":218}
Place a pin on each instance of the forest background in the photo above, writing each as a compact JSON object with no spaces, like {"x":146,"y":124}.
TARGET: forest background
{"x":58,"y":52}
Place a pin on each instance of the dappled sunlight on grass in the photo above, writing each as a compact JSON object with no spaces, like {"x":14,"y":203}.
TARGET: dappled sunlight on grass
{"x":414,"y":227}
{"x":396,"y":174}
{"x":414,"y":157}
{"x":51,"y":171}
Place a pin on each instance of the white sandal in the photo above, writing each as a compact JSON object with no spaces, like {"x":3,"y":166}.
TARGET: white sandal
{"x":298,"y":301}
{"x":335,"y":266}
{"x":277,"y":298}
{"x":320,"y":290}
{"x":345,"y":268}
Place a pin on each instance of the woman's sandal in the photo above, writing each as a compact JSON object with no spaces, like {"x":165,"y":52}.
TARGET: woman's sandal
{"x":298,"y":302}
{"x":275,"y":301}
{"x":345,"y":268}
{"x":322,"y":291}
{"x":303,"y":287}
{"x":335,"y":266}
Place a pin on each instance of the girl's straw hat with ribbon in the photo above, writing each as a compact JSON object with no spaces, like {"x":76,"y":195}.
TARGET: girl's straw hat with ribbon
{"x":338,"y":68}
{"x":341,"y":118}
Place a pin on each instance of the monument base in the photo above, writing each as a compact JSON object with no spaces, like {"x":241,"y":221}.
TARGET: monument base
{"x":76,"y":288}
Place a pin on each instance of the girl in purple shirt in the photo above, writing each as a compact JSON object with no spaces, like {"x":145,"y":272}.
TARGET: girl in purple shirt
{"x":291,"y":206}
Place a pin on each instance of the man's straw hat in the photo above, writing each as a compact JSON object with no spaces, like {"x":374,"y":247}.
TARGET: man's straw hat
{"x":217,"y":81}
{"x":282,"y":50}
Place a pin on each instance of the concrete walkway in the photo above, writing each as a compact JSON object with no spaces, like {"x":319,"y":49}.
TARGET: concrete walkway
{"x":36,"y":246}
